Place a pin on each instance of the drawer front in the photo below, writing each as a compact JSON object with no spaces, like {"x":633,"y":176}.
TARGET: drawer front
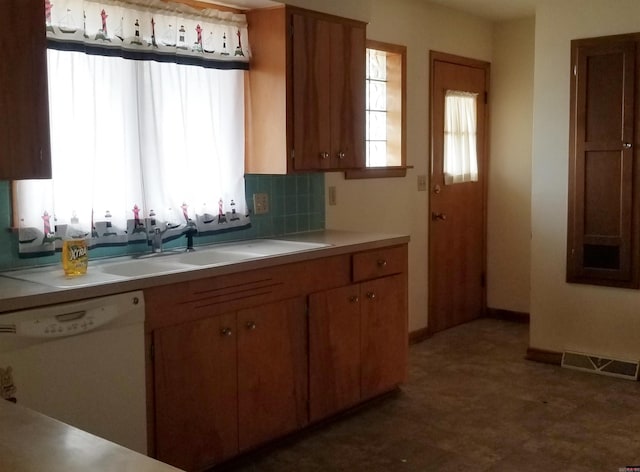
{"x":379,"y":263}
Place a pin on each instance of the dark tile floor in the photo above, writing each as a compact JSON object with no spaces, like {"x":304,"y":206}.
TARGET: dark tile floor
{"x":473,"y":403}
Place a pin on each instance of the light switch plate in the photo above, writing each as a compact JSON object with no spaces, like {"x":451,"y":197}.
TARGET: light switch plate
{"x":260,"y":203}
{"x":422,"y":183}
{"x":332,"y":196}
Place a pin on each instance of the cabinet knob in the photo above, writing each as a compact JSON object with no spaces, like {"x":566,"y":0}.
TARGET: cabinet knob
{"x":626,"y":145}
{"x":324,"y":155}
{"x":251,"y":325}
{"x":382,"y":263}
{"x":371,"y":295}
{"x":341,"y":155}
{"x":354,"y":299}
{"x":226,"y":332}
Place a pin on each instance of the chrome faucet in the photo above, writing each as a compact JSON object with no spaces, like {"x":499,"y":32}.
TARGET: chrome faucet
{"x":156,"y":240}
{"x":192,"y":229}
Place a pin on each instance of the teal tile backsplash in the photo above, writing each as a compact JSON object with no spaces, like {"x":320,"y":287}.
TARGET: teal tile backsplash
{"x":296,"y":205}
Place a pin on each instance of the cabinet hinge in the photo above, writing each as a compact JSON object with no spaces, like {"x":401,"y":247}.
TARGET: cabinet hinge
{"x":152,"y":351}
{"x":575,"y":70}
{"x":293,"y":154}
{"x":306,"y":308}
{"x":483,"y":280}
{"x":486,"y":97}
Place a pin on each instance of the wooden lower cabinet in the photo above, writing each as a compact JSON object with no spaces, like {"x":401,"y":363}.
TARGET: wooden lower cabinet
{"x":357,"y":343}
{"x":334,"y":351}
{"x":384,"y":339}
{"x":196,"y":392}
{"x":253,"y":356}
{"x":229,"y":382}
{"x":272,"y":371}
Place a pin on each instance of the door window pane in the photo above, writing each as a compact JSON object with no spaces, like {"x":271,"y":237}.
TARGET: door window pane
{"x":460,"y":142}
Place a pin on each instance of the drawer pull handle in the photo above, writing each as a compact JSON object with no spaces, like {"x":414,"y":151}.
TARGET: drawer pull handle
{"x":251,"y":325}
{"x":226,"y":332}
{"x":382,"y":263}
{"x":354,"y":299}
{"x":371,"y":295}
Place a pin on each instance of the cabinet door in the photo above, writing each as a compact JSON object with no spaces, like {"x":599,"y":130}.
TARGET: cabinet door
{"x":348,"y":51}
{"x":24,"y":134}
{"x":311,"y":92}
{"x":196,"y":392}
{"x":334,"y":351}
{"x":272,"y":371}
{"x":384,"y":334}
{"x":602,"y":239}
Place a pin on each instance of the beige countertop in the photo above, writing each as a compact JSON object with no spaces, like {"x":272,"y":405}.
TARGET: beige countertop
{"x":18,"y":294}
{"x":32,"y":442}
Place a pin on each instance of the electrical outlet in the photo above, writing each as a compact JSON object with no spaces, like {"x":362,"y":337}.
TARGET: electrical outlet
{"x":422,"y":183}
{"x":332,"y":196}
{"x":260,"y":203}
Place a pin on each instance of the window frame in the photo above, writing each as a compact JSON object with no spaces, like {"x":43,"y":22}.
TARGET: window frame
{"x":390,"y":171}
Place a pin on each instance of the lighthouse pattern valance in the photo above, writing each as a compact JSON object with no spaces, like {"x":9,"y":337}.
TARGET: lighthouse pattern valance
{"x":149,"y":30}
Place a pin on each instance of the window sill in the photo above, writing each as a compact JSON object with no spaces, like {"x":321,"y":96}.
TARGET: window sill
{"x":377,"y":172}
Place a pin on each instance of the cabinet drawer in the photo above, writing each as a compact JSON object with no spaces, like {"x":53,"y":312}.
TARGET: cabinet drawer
{"x":379,"y":263}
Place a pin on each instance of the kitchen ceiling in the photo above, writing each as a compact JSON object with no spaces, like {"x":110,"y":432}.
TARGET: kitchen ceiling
{"x":495,"y":10}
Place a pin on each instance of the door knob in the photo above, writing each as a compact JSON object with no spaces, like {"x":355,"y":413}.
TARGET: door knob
{"x":438,"y":216}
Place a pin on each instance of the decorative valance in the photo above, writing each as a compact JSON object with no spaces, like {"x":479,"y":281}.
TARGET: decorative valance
{"x":149,"y":30}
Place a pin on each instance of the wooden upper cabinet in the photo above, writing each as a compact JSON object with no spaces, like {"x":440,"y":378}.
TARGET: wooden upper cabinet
{"x":306,"y":92}
{"x":24,"y":134}
{"x":328,"y":93}
{"x":603,"y":203}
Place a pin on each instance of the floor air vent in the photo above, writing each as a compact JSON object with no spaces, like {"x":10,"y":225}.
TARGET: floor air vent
{"x":600,"y":365}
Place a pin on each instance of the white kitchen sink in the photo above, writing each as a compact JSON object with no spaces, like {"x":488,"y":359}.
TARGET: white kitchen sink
{"x":274,"y":247}
{"x":213,"y":257}
{"x":140,"y":268}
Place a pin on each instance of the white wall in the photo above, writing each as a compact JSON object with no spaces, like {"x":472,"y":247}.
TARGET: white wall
{"x":509,"y":199}
{"x":600,"y":320}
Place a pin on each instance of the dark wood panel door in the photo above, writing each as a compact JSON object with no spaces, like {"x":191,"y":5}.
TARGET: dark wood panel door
{"x":601,"y":197}
{"x":311,"y":71}
{"x":457,"y":211}
{"x":24,"y":127}
{"x":272,"y":371}
{"x":384,"y":340}
{"x":196,"y":392}
{"x":334,"y":351}
{"x":348,"y":46}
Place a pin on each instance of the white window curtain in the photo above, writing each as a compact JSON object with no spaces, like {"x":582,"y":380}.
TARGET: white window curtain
{"x":136,"y":145}
{"x":460,"y":142}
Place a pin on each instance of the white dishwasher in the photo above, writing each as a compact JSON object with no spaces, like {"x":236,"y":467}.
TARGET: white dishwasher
{"x":82,"y":363}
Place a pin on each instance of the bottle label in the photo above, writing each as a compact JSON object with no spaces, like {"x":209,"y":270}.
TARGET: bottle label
{"x":75,"y":257}
{"x":76,"y":252}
